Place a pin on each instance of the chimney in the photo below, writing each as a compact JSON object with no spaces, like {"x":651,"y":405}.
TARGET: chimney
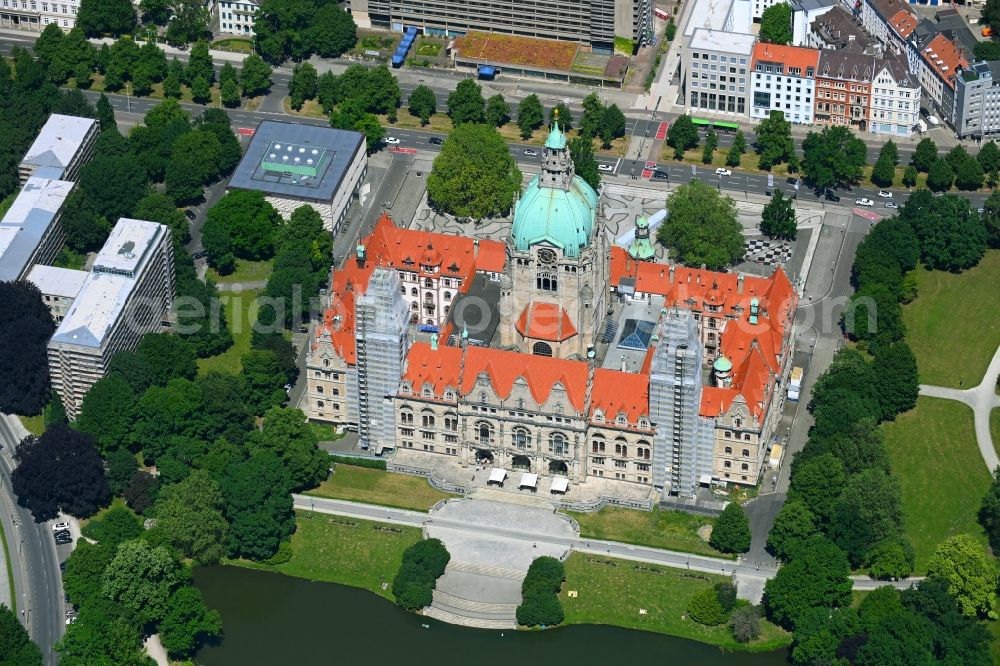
{"x":623,"y":363}
{"x":671,"y":272}
{"x":739,"y":283}
{"x":475,"y":248}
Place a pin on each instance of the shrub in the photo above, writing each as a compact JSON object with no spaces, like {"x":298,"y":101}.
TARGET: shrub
{"x":726,"y":593}
{"x":745,"y":623}
{"x":370,"y":463}
{"x":283,"y":555}
{"x":540,"y":610}
{"x":704,"y":608}
{"x":540,"y":605}
{"x":423,"y":563}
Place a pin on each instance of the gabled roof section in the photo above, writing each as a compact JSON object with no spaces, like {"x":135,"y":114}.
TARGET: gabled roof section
{"x":903,"y":22}
{"x":338,"y":319}
{"x":541,"y":373}
{"x":545,"y":321}
{"x":944,"y":57}
{"x":788,"y":57}
{"x":438,"y":368}
{"x":614,"y":392}
{"x":452,"y":256}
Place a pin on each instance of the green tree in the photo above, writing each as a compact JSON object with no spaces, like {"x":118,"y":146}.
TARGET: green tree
{"x":497,"y":111}
{"x":711,"y":143}
{"x":106,"y":412}
{"x":896,"y":380}
{"x":114,"y":527}
{"x":874,"y":316}
{"x":189,"y":23}
{"x":332,"y":31}
{"x":731,"y":533}
{"x":97,"y":18}
{"x":794,"y":523}
{"x":777,"y":220}
{"x":612,"y":125}
{"x":744,"y":623}
{"x":991,"y":220}
{"x":423,"y":103}
{"x":682,"y":136}
{"x":188,"y":622}
{"x":581,"y":150}
{"x":989,"y":154}
{"x":925,"y":154}
{"x":776,"y":24}
{"x":158,"y":358}
{"x":303,"y":84}
{"x":16,"y":648}
{"x":735,"y":154}
{"x":530,"y":115}
{"x":474,"y":175}
{"x":141,"y":578}
{"x":199,"y":64}
{"x":286,"y":432}
{"x":25,"y":324}
{"x":112,"y":185}
{"x":54,"y":413}
{"x":816,"y":576}
{"x":969,"y":174}
{"x":190,"y":515}
{"x":774,"y":140}
{"x":702,"y":227}
{"x":884,"y":172}
{"x":84,"y":568}
{"x":258,"y":506}
{"x":593,"y":115}
{"x":194,"y":163}
{"x":957,"y":639}
{"x":952,"y":235}
{"x":201,"y":91}
{"x":989,"y":512}
{"x":817,"y":482}
{"x":172,"y":86}
{"x":104,"y":636}
{"x":255,"y":76}
{"x":229,"y":92}
{"x":704,"y":608}
{"x":870,"y":510}
{"x":910,"y":176}
{"x":971,"y":573}
{"x":241,"y":224}
{"x":466,"y":103}
{"x":890,"y":559}
{"x":121,"y":465}
{"x":263,"y":380}
{"x":833,"y":158}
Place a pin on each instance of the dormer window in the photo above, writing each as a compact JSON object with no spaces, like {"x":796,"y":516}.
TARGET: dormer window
{"x":599,"y":416}
{"x":644,"y":423}
{"x":620,"y":419}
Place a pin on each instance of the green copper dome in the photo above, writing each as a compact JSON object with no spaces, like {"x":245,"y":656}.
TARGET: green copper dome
{"x":558,"y":206}
{"x":722,"y":364}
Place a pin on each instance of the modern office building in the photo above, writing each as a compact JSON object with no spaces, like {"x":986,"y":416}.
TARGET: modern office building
{"x":977,"y":101}
{"x":304,"y":165}
{"x":716,"y":57}
{"x":233,"y":17}
{"x":125,"y":295}
{"x":34,"y":15}
{"x":595,"y":23}
{"x":59,"y":287}
{"x":783,"y":79}
{"x":62,"y":147}
{"x":30,"y":232}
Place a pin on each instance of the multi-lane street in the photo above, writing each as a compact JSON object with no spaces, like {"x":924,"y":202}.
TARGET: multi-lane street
{"x":34,"y":558}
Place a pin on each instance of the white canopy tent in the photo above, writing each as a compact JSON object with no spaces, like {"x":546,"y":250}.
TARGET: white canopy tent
{"x":560,"y":484}
{"x":528,"y":481}
{"x":497,"y":476}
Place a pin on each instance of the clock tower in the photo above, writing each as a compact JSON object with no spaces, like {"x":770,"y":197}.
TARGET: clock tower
{"x":557,"y":260}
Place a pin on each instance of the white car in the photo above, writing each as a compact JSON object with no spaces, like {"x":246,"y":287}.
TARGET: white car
{"x":864,"y":202}
{"x":723,"y":172}
{"x":605,"y":167}
{"x":392,"y":141}
{"x":531,"y":153}
{"x":59,"y":527}
{"x":884,"y":194}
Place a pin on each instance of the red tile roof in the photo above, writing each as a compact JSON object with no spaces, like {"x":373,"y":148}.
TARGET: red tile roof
{"x":541,"y":373}
{"x":614,"y":391}
{"x":715,"y":401}
{"x":338,"y":319}
{"x":903,"y":22}
{"x":545,"y":321}
{"x":453,"y":256}
{"x":944,"y":58}
{"x":439,"y":368}
{"x":788,"y":56}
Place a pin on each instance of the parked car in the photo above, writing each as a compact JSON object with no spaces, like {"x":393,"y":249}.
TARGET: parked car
{"x":60,"y":527}
{"x":190,"y":214}
{"x":435,"y":141}
{"x":864,"y":202}
{"x":661,"y":175}
{"x":392,"y":141}
{"x":889,"y":204}
{"x":830,"y":196}
{"x":884,"y":194}
{"x":722,"y":171}
{"x":531,"y":153}
{"x":605,"y":167}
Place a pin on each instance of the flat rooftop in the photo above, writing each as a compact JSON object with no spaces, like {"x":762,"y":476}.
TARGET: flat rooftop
{"x":297,"y":161}
{"x":59,"y":140}
{"x":106,"y":289}
{"x":27,"y":222}
{"x":729,"y":42}
{"x":720,"y":16}
{"x":55,"y":281}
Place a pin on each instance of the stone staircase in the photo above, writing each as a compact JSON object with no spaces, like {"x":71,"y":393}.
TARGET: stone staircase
{"x":511,"y":497}
{"x":477,"y":595}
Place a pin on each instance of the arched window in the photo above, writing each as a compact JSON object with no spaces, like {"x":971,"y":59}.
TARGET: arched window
{"x":413,"y":292}
{"x":427,"y":419}
{"x":597,"y":445}
{"x":737,"y":422}
{"x":727,"y":464}
{"x":558,"y":443}
{"x":620,"y":419}
{"x":406,"y":416}
{"x":521,"y":439}
{"x":729,"y":450}
{"x":546,"y":281}
{"x":746,"y":453}
{"x":402,"y":288}
{"x":319,"y":403}
{"x":447,"y":295}
{"x":541,"y":349}
{"x":326,"y":363}
{"x":485,"y":434}
{"x":744,"y":467}
{"x":618,"y":449}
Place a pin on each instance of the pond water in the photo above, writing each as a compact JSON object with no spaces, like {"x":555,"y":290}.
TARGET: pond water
{"x":274,"y":619}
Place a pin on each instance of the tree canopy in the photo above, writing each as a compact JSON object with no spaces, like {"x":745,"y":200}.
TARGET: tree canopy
{"x":682,"y":136}
{"x":816,"y":576}
{"x":190,"y":514}
{"x":777,"y":220}
{"x":466,"y":103}
{"x":833,"y":158}
{"x":26,"y":326}
{"x":530,"y":115}
{"x":258,"y":506}
{"x":423,"y":103}
{"x":776,"y":24}
{"x":474,"y":175}
{"x":731,"y":533}
{"x":16,"y":648}
{"x":701,"y":227}
{"x":300,"y":29}
{"x":242,"y":224}
{"x":971,"y":574}
{"x":774,"y":140}
{"x":97,"y":18}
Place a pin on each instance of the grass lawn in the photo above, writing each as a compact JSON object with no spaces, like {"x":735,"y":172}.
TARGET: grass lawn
{"x":325,"y":432}
{"x":341,"y":550}
{"x":673,"y":530}
{"x":238,"y":311}
{"x":246,"y":271}
{"x":950,"y":329}
{"x":233,"y":44}
{"x":427,"y":48}
{"x":374,"y":486}
{"x":611,"y":591}
{"x":943,"y":478}
{"x":33,"y":424}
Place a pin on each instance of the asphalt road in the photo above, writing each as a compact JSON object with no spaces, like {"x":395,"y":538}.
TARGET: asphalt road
{"x":34,"y":557}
